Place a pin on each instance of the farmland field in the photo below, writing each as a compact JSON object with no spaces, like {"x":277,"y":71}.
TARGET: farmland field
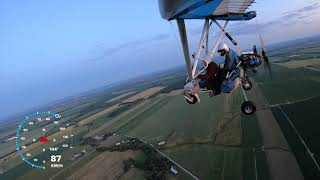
{"x":172,"y":115}
{"x":288,"y":84}
{"x":253,"y":157}
{"x":209,"y":162}
{"x":212,"y":139}
{"x":306,"y":123}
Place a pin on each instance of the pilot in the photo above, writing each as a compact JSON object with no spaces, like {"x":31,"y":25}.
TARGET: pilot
{"x":215,"y":77}
{"x":230,"y":61}
{"x":227,"y":84}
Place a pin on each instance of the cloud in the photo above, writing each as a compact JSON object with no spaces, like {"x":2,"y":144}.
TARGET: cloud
{"x":300,"y":15}
{"x":287,"y":18}
{"x":136,"y":43}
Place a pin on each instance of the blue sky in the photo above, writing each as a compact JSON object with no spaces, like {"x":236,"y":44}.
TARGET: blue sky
{"x":53,"y":49}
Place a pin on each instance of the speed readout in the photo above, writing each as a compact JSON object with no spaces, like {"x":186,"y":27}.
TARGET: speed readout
{"x":41,"y":138}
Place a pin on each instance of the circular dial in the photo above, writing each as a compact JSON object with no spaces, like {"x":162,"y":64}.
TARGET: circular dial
{"x":41,"y":138}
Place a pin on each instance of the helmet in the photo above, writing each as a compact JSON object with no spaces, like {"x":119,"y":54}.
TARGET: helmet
{"x":223,"y":46}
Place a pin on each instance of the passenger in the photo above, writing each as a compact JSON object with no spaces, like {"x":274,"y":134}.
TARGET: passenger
{"x":208,"y":80}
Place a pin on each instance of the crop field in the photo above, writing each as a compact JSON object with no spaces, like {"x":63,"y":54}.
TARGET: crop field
{"x":173,"y":116}
{"x":209,"y":162}
{"x":190,"y":130}
{"x":294,"y":93}
{"x":253,"y":158}
{"x":300,"y":49}
{"x":212,"y":139}
{"x":124,"y":95}
{"x":118,"y":121}
{"x":305,"y":118}
{"x":133,"y":174}
{"x":301,"y":63}
{"x":144,"y":94}
{"x":107,"y":165}
{"x":288,"y":84}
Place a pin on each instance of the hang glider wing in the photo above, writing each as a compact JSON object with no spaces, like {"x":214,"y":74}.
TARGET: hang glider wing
{"x":233,"y":10}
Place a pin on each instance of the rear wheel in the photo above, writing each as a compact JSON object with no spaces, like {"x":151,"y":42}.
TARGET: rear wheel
{"x":248,"y":108}
{"x":191,"y":99}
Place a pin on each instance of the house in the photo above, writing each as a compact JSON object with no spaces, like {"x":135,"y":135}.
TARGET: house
{"x":174,"y":171}
{"x":75,"y":156}
{"x":84,"y":151}
{"x":161,"y":143}
{"x":98,"y":137}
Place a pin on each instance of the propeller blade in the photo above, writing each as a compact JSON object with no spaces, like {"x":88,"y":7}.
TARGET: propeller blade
{"x":267,"y":66}
{"x":255,"y":51}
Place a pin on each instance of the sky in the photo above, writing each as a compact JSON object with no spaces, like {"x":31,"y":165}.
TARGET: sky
{"x":53,"y":49}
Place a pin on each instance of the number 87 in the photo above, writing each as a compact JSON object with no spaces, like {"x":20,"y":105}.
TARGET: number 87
{"x":55,"y":158}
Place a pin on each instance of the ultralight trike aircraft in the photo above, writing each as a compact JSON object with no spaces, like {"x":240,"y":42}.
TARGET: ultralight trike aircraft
{"x":212,"y":11}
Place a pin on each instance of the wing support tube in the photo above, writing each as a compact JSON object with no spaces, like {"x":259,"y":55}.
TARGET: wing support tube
{"x":229,"y":37}
{"x":202,"y":41}
{"x":185,"y":47}
{"x":214,"y":48}
{"x":213,"y":51}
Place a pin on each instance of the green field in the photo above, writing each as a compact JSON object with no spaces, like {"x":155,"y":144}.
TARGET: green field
{"x":212,"y":139}
{"x":173,"y":115}
{"x":288,"y":84}
{"x":209,"y":162}
{"x":304,"y":116}
{"x":296,"y":92}
{"x":253,"y":158}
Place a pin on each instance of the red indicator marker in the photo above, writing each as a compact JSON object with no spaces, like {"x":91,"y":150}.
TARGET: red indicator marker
{"x":43,"y":139}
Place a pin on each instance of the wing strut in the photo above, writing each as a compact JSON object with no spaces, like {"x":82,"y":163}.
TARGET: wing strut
{"x":214,"y":49}
{"x":185,"y":47}
{"x":230,"y":38}
{"x":207,"y":39}
{"x":202,"y":41}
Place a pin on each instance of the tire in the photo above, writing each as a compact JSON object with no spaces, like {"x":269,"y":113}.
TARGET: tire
{"x":248,"y":108}
{"x":211,"y":94}
{"x":247,"y":85}
{"x":193,"y":99}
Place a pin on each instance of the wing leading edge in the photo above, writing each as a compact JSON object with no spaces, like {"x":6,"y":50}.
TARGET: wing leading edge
{"x":200,"y":9}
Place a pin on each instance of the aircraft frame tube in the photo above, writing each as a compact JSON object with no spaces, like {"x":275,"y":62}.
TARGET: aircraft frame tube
{"x":185,"y":47}
{"x":203,"y":37}
{"x":230,"y":38}
{"x":214,"y":48}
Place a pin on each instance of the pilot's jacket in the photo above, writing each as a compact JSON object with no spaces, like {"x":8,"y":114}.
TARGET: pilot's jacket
{"x":230,"y":62}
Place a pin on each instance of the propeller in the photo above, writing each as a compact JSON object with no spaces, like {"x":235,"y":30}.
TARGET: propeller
{"x":255,"y":51}
{"x":267,"y":66}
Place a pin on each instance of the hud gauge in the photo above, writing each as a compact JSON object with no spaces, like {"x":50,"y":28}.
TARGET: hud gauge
{"x":41,"y":139}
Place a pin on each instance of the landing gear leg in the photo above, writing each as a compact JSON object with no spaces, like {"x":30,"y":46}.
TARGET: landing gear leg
{"x":247,"y":107}
{"x":246,"y":83}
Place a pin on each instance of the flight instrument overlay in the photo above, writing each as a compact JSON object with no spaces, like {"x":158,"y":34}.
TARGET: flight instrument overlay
{"x":41,"y":139}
